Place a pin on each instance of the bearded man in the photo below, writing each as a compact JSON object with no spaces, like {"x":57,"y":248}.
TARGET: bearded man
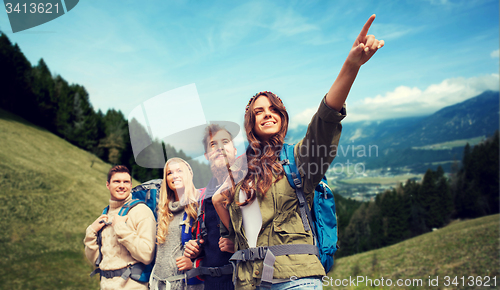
{"x":219,"y":151}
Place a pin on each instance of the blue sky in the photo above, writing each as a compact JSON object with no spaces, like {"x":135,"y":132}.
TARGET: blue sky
{"x":124,"y":53}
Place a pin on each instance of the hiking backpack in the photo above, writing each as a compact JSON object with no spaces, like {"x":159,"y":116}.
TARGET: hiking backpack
{"x":322,"y":216}
{"x":148,"y":194}
{"x":321,"y":220}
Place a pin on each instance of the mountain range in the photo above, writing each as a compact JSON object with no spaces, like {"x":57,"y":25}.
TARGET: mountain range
{"x":414,"y":141}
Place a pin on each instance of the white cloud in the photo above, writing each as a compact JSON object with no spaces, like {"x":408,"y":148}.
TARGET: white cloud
{"x":394,"y":31}
{"x":302,"y":118}
{"x":495,"y":53}
{"x":290,"y":23}
{"x":405,"y":101}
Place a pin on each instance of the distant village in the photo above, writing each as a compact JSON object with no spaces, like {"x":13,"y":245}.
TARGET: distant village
{"x":366,"y":185}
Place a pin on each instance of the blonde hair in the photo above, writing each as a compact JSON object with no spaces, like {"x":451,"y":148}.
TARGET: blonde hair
{"x":167,"y":195}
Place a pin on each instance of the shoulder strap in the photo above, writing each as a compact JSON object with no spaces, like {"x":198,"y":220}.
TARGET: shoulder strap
{"x":123,"y":211}
{"x":201,"y":230}
{"x":287,"y":158}
{"x":128,"y":206}
{"x":268,"y":255}
{"x":99,"y":241}
{"x":185,"y":229}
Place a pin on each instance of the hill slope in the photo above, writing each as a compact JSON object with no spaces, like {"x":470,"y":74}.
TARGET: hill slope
{"x":466,"y":248}
{"x":49,"y":194}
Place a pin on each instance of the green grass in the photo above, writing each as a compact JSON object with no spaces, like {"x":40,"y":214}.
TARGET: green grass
{"x":49,"y":194}
{"x":465,"y":248}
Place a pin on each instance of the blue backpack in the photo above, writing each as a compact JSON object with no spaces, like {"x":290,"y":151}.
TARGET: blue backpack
{"x":321,"y":220}
{"x":322,"y":215}
{"x":149,"y":193}
{"x":146,"y":193}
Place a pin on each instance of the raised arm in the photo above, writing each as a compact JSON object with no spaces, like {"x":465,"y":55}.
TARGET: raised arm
{"x":362,"y":50}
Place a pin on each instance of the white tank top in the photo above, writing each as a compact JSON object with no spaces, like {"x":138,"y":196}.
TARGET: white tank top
{"x":252,"y":219}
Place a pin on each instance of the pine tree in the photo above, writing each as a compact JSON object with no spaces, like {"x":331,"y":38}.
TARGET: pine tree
{"x":417,"y":212}
{"x":476,"y":184}
{"x":43,"y":88}
{"x":16,"y":81}
{"x":445,"y":199}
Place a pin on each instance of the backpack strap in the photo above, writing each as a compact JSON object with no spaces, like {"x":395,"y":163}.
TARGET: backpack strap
{"x":268,"y":254}
{"x":203,"y":271}
{"x":287,"y":158}
{"x":210,"y":271}
{"x":99,"y":243}
{"x":201,"y":229}
{"x":128,"y":206}
{"x":123,"y":211}
{"x":133,"y":271}
{"x":187,"y":224}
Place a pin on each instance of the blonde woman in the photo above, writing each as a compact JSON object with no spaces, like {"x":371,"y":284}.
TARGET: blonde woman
{"x":177,"y":211}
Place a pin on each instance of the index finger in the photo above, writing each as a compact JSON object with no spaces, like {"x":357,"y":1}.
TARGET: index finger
{"x":367,"y":25}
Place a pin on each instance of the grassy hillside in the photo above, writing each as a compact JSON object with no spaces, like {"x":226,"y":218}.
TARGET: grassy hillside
{"x":49,"y":194}
{"x":465,"y":248}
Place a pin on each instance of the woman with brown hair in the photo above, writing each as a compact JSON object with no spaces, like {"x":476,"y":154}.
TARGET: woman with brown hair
{"x":262,"y":211}
{"x":177,"y":211}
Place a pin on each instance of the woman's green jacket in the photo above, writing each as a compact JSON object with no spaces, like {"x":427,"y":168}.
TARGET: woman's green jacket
{"x":281,"y":221}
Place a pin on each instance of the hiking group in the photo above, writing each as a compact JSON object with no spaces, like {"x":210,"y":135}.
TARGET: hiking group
{"x":264,"y":220}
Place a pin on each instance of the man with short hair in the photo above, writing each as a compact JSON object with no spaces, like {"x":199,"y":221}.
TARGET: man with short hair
{"x":125,"y":240}
{"x":217,"y":250}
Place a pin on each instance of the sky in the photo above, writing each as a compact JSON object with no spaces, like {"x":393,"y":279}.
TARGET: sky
{"x":217,"y":54}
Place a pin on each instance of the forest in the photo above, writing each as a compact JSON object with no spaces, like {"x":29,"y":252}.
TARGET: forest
{"x":416,"y":208}
{"x":64,"y":109}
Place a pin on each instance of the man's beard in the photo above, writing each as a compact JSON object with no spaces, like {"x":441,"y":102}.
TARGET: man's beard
{"x":219,"y":167}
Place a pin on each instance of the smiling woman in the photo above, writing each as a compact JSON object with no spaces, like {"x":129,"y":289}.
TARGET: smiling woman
{"x":267,"y":118}
{"x":177,"y":210}
{"x":175,"y":180}
{"x":274,"y":247}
